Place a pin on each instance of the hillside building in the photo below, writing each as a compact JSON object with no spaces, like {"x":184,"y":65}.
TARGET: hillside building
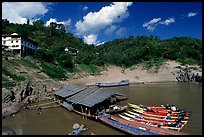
{"x":18,"y":44}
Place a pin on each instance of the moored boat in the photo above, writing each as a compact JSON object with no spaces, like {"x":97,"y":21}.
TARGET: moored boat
{"x":161,"y":120}
{"x":163,"y":109}
{"x":156,"y":130}
{"x":145,"y":110}
{"x":158,"y":115}
{"x":124,"y":126}
{"x":177,"y":124}
{"x":151,"y":124}
{"x":121,"y":83}
{"x":155,"y":116}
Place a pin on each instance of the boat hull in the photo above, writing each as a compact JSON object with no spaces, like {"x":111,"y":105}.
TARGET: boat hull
{"x":122,"y":83}
{"x":125,"y":127}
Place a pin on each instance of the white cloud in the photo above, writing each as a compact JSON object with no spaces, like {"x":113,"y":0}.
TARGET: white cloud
{"x":151,"y":25}
{"x":100,"y":43}
{"x":65,"y":23}
{"x":93,"y":22}
{"x":19,"y":12}
{"x":168,"y":21}
{"x":90,"y":39}
{"x":191,"y":14}
{"x":109,"y":31}
{"x":85,"y":8}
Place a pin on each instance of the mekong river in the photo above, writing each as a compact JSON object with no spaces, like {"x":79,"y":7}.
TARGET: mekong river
{"x":59,"y":121}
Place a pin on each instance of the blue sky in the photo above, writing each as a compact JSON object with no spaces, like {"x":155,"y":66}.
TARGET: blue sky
{"x":97,"y":22}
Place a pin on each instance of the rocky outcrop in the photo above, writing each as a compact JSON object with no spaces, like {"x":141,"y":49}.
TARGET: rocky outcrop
{"x":188,"y":74}
{"x":26,"y":92}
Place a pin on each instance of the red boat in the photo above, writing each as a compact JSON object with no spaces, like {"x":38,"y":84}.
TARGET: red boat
{"x":158,"y":115}
{"x":157,"y":130}
{"x":166,"y":109}
{"x":143,"y":109}
{"x":154,"y":120}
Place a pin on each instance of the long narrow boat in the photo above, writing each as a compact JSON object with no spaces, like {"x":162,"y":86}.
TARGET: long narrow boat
{"x":161,"y":120}
{"x":144,"y":110}
{"x":158,"y":115}
{"x":121,"y":83}
{"x":156,"y":130}
{"x":169,"y":125}
{"x":124,"y":126}
{"x":157,"y":109}
{"x":152,"y":125}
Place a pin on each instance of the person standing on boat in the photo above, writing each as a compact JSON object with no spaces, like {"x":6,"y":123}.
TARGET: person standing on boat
{"x":168,"y":117}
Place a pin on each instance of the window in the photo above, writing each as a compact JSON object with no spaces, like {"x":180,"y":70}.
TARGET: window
{"x":13,"y":45}
{"x":4,"y":42}
{"x":16,"y":41}
{"x":17,"y":45}
{"x":12,"y":41}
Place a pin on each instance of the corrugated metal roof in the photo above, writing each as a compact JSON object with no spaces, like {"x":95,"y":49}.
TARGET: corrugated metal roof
{"x":91,"y":96}
{"x":69,"y":90}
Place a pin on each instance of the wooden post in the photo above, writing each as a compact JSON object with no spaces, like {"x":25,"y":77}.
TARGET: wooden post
{"x":86,"y":113}
{"x":82,"y":112}
{"x":89,"y":112}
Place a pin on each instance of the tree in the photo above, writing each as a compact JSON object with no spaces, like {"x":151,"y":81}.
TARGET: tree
{"x":39,"y":24}
{"x":65,"y":59}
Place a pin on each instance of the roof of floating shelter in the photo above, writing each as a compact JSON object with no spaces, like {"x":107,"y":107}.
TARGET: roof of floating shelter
{"x":69,"y":90}
{"x":86,"y":96}
{"x":91,"y":96}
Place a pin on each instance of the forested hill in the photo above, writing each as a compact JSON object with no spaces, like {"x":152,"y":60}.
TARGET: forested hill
{"x":148,"y":50}
{"x":134,"y":50}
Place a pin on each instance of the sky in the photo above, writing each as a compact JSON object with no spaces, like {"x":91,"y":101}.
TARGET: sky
{"x":99,"y":22}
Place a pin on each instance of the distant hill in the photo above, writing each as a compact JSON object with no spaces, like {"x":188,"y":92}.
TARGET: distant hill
{"x":52,"y":60}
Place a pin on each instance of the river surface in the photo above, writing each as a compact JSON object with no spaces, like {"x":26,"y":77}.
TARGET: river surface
{"x":59,"y":121}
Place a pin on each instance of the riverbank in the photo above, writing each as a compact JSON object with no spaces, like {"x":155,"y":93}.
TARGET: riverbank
{"x":136,"y":74}
{"x":33,"y":91}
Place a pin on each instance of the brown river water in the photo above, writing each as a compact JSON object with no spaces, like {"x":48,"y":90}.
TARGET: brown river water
{"x":59,"y":121}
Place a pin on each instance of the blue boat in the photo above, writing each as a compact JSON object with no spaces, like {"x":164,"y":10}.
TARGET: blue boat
{"x":121,"y":83}
{"x":124,"y":127}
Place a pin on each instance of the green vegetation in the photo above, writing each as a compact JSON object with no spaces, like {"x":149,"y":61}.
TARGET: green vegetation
{"x":55,"y":72}
{"x":150,"y":51}
{"x":7,"y":83}
{"x":91,"y":69}
{"x":29,"y":62}
{"x":11,"y":75}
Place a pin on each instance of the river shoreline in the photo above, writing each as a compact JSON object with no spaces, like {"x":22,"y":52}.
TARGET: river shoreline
{"x":136,"y":75}
{"x":167,"y":73}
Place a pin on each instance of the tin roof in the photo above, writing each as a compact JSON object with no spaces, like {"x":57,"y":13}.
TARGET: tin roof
{"x":86,"y":96}
{"x":91,"y":96}
{"x":69,"y":90}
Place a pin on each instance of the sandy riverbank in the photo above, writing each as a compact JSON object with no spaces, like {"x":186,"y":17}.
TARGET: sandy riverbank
{"x":136,"y":74}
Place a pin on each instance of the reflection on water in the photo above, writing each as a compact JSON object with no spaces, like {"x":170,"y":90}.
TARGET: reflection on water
{"x":59,"y":121}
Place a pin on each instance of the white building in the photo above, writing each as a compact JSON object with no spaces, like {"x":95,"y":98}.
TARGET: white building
{"x":18,"y":44}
